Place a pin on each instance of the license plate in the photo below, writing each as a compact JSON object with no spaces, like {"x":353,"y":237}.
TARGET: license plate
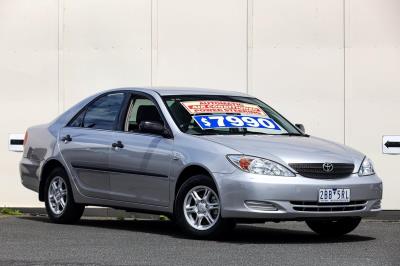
{"x":334,"y":195}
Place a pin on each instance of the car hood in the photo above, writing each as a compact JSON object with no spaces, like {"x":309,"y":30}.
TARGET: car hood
{"x":289,"y":149}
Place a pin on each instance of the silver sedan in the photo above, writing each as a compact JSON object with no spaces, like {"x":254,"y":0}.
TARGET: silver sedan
{"x":207,"y":159}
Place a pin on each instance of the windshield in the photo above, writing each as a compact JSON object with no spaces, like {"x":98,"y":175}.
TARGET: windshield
{"x":226,"y":115}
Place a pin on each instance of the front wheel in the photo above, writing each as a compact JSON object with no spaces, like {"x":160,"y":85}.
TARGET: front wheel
{"x":334,"y":228}
{"x":60,"y":204}
{"x":198,"y":208}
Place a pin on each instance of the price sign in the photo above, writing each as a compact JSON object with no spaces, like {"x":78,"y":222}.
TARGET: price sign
{"x":222,"y":107}
{"x":235,"y":121}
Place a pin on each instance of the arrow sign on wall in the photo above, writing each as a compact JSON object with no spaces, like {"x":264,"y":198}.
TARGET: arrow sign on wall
{"x":392,"y":144}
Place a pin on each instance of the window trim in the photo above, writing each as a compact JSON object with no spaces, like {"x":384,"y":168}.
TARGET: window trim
{"x":128,"y":114}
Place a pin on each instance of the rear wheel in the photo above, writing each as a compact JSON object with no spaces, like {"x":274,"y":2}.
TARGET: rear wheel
{"x":337,"y":227}
{"x":198,"y":208}
{"x":60,"y":205}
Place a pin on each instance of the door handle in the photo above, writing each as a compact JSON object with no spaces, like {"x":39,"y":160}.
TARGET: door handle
{"x":117,"y":144}
{"x":66,"y":138}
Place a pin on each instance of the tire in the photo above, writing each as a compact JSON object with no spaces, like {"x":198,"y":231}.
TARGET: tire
{"x":334,"y":228}
{"x":202,"y":218}
{"x":59,"y":201}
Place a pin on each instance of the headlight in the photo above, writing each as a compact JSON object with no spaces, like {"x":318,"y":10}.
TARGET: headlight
{"x":259,"y":166}
{"x":366,"y":168}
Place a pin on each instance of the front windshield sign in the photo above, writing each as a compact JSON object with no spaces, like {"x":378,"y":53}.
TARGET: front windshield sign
{"x":228,"y":114}
{"x":222,"y":107}
{"x":235,"y":121}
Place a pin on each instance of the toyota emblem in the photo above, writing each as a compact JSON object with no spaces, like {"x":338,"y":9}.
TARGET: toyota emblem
{"x":327,"y":167}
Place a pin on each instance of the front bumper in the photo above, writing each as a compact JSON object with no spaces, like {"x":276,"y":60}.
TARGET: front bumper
{"x":295,"y":197}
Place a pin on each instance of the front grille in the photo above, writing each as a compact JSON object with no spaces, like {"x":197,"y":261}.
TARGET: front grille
{"x":316,"y":170}
{"x":314,"y":206}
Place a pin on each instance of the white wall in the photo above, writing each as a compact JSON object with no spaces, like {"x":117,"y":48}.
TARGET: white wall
{"x":105,"y":44}
{"x":373,"y":85}
{"x":28,"y":82}
{"x":200,"y":43}
{"x":333,"y":65}
{"x":297,"y":61}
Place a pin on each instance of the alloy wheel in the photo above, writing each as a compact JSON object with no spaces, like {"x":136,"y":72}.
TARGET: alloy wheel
{"x":201,"y":207}
{"x":57,"y":195}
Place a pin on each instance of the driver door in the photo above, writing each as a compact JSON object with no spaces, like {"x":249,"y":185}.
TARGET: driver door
{"x":141,"y":163}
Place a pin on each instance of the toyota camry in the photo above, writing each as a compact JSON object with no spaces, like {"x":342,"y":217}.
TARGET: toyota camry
{"x":207,"y":159}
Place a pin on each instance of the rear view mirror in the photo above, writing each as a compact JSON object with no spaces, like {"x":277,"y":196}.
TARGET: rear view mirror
{"x":301,"y":127}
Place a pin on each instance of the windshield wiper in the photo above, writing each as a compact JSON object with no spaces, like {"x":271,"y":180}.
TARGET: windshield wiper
{"x":252,"y":133}
{"x":294,"y":134}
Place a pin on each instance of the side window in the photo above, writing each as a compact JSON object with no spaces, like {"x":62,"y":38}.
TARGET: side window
{"x":141,"y":109}
{"x":77,"y":122}
{"x":101,"y":114}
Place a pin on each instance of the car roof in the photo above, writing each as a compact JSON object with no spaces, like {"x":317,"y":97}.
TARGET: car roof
{"x":164,"y":91}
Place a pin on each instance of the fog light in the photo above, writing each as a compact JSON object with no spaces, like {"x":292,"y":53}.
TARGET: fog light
{"x":260,"y":205}
{"x":376,"y":205}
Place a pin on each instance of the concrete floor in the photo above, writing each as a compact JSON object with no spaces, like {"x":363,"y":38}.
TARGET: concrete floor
{"x":34,"y":241}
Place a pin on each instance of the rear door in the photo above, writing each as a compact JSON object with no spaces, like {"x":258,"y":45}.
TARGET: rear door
{"x":85,"y":144}
{"x":141,"y":165}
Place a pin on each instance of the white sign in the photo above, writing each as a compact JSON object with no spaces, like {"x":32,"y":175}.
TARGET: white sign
{"x":16,"y":142}
{"x":222,"y":107}
{"x":391,"y":144}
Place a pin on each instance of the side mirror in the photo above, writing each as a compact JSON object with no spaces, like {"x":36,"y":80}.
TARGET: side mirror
{"x":301,"y":127}
{"x":155,"y":128}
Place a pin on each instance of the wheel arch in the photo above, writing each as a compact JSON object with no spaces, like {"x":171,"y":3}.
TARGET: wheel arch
{"x":46,"y":170}
{"x":190,"y":171}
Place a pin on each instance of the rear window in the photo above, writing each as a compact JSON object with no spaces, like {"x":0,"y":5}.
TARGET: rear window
{"x":101,"y":114}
